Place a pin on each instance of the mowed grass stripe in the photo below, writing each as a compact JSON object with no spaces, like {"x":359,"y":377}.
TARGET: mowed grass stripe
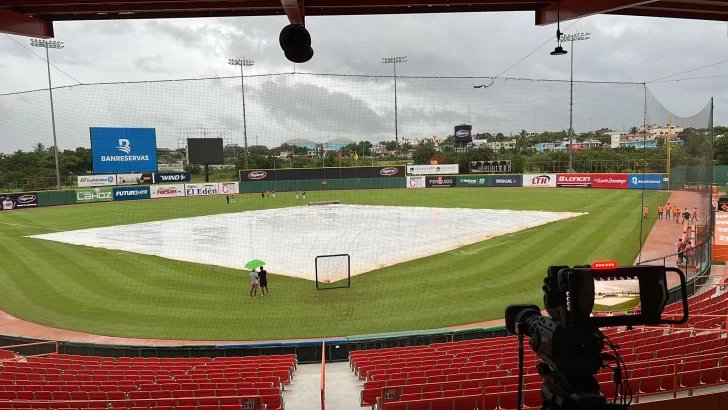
{"x":125,"y":294}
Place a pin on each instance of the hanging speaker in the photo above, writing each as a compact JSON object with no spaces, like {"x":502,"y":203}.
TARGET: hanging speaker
{"x":296,"y":43}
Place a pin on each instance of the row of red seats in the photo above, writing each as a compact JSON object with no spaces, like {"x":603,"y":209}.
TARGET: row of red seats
{"x":136,"y":394}
{"x":283,"y":375}
{"x":183,"y":407}
{"x":255,"y":403}
{"x":140,"y":385}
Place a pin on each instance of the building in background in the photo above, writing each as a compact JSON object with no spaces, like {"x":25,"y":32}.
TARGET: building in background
{"x":337,"y":144}
{"x":302,"y":142}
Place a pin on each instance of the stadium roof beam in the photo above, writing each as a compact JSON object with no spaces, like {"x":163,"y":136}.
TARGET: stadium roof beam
{"x":22,"y":25}
{"x":294,"y":11}
{"x":574,"y":9}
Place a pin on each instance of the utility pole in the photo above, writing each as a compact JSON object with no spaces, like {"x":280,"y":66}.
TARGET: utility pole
{"x":394,"y":61}
{"x":572,"y":38}
{"x":243,"y":63}
{"x":47,"y":44}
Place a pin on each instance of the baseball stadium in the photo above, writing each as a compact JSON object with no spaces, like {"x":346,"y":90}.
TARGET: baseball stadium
{"x":303,"y":240}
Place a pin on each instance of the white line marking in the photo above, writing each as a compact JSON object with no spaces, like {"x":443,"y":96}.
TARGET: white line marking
{"x":30,"y":226}
{"x":611,"y":202}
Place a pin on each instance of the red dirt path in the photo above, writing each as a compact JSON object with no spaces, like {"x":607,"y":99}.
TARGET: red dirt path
{"x":661,"y":241}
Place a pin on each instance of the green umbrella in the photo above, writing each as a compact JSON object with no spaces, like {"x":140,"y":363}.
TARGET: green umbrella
{"x":254,"y":264}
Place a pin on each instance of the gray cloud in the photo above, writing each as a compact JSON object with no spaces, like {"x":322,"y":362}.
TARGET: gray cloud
{"x":479,"y":44}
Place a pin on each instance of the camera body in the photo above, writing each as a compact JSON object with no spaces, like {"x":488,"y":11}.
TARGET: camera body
{"x":569,"y":342}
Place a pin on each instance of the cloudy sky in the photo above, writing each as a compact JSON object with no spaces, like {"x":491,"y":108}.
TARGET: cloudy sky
{"x":280,"y":107}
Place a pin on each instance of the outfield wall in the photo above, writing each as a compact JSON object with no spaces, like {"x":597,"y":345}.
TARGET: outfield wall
{"x":371,"y":178}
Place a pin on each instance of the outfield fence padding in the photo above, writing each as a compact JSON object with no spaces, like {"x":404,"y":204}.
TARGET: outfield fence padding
{"x":323,"y":184}
{"x":52,"y":198}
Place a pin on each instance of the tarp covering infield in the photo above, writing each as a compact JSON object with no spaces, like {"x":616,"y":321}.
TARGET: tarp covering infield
{"x":372,"y":235}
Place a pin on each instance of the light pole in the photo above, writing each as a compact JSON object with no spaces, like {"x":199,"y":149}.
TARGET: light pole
{"x":572,"y":38}
{"x":56,"y":45}
{"x":394,"y":61}
{"x":243,"y":63}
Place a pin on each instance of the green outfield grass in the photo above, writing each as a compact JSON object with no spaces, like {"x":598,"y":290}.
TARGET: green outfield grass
{"x":123,"y":294}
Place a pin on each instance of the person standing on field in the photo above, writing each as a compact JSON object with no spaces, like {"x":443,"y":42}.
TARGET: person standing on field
{"x":232,"y":197}
{"x":263,"y":277}
{"x":695,"y":215}
{"x":645,"y":210}
{"x":304,"y":194}
{"x":273,"y":194}
{"x":262,"y":195}
{"x":253,"y":284}
{"x":227,"y":199}
{"x":668,"y":211}
{"x":676,"y":214}
{"x":660,"y":209}
{"x":296,"y":194}
{"x":686,"y":215}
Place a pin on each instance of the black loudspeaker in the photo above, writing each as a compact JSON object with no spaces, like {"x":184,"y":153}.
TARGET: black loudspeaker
{"x":296,"y":43}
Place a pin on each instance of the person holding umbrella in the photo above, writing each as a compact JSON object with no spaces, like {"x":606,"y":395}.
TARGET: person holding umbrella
{"x":254,"y":278}
{"x":263,"y":277}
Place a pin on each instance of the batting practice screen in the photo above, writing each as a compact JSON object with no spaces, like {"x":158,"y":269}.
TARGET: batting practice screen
{"x":333,"y":271}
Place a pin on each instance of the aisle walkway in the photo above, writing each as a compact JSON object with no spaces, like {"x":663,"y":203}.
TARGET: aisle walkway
{"x":662,"y":240}
{"x":342,"y":388}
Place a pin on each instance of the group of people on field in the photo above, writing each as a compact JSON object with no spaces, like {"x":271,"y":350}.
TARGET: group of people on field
{"x":268,"y":194}
{"x":259,"y":279}
{"x":669,"y":211}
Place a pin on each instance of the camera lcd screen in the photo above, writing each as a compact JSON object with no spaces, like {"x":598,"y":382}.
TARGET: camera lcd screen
{"x":616,"y":293}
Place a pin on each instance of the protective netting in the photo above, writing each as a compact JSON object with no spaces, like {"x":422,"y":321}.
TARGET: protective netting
{"x":687,"y":144}
{"x":172,"y":268}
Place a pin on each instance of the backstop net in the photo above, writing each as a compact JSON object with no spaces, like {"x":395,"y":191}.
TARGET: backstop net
{"x":332,"y":132}
{"x":686,"y":143}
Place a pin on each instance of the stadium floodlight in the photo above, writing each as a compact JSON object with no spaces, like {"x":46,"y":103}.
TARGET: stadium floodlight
{"x":48,"y":44}
{"x":243,"y":63}
{"x":394,"y":61}
{"x":572,"y":37}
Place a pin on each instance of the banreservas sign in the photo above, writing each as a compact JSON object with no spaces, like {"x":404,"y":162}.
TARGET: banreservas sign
{"x":646,"y":181}
{"x":574,"y":180}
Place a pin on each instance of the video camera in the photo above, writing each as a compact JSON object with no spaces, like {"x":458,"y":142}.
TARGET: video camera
{"x":569,"y":342}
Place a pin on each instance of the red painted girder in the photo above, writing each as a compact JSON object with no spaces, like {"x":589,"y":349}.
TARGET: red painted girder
{"x":574,"y":9}
{"x":15,"y":23}
{"x":294,"y":11}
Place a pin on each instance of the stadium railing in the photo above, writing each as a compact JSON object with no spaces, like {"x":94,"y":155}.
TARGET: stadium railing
{"x":323,"y":375}
{"x":9,"y":352}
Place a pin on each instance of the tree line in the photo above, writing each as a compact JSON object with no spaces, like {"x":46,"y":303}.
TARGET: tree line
{"x":38,"y":165}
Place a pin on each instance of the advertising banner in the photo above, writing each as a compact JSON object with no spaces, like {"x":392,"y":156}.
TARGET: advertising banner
{"x":19,"y":201}
{"x":201,"y":189}
{"x":433,"y":169}
{"x":172,"y":177}
{"x":132,"y":193}
{"x":474,"y":181}
{"x":303,"y":174}
{"x":648,"y":181}
{"x":615,"y":181}
{"x":539,"y":180}
{"x":94,"y":195}
{"x":440,"y":182}
{"x":507,"y":180}
{"x":135,"y":179}
{"x":116,"y":150}
{"x":85,"y":181}
{"x":574,"y":180}
{"x":229,"y":188}
{"x":415,"y":182}
{"x":166,"y":191}
{"x":721,"y":228}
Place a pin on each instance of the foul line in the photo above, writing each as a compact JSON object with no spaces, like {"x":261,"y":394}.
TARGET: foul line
{"x":611,"y":202}
{"x":31,"y":226}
